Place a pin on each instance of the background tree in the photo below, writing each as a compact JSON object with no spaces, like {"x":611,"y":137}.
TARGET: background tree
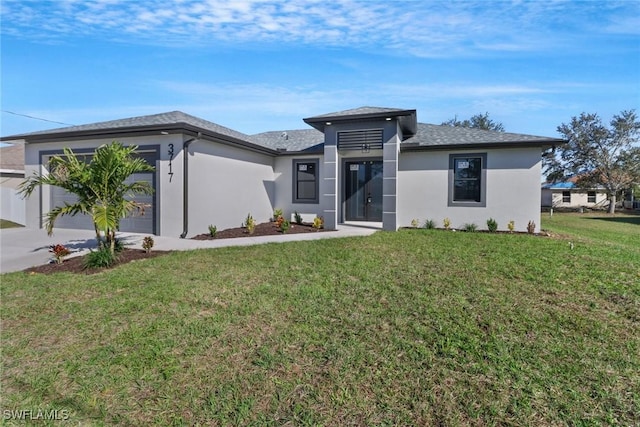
{"x":478,"y":121}
{"x":597,"y":155}
{"x":99,"y":185}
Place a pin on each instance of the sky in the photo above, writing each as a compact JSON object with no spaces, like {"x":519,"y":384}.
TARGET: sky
{"x":257,"y":66}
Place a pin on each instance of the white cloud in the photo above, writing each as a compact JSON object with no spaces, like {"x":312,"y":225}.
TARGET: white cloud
{"x":419,"y":28}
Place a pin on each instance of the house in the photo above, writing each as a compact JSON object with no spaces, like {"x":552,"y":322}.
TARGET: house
{"x":568,"y":195}
{"x":12,"y":205}
{"x":367,"y":165}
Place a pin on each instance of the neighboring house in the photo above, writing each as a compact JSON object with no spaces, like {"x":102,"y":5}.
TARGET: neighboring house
{"x":371,"y":165}
{"x":12,"y":205}
{"x":568,"y":195}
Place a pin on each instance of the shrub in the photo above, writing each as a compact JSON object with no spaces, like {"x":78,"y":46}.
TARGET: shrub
{"x":318,"y":223}
{"x":250,"y":224}
{"x":284,"y":226}
{"x":147,"y":244}
{"x":447,"y":223}
{"x":277,"y":213}
{"x":531,"y":227}
{"x":511,"y":226}
{"x":415,"y":223}
{"x":213,"y":230}
{"x":59,"y":252}
{"x":492,"y":225}
{"x":470,"y":227}
{"x":297,"y":217}
{"x":100,"y":258}
{"x":430,"y":224}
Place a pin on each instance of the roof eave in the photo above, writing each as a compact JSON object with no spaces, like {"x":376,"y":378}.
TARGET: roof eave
{"x":183,"y":128}
{"x":408,"y":146}
{"x":319,"y":122}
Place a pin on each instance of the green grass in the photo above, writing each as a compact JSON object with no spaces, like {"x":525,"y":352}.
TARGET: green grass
{"x":419,"y":327}
{"x":5,"y":223}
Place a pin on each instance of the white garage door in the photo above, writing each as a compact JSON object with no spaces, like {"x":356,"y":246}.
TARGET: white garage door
{"x":138,"y":222}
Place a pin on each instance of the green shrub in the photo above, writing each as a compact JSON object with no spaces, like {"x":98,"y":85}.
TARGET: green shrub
{"x":250,"y":224}
{"x":430,"y":224}
{"x":318,"y":223}
{"x":492,"y":225}
{"x":415,"y":223}
{"x":277,"y":213}
{"x":213,"y":230}
{"x":470,"y":227}
{"x":100,"y":258}
{"x":447,"y":223}
{"x":284,"y":226}
{"x":297,"y":217}
{"x":511,"y":226}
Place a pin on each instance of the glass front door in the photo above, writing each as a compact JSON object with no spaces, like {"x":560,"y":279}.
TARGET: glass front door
{"x":363,"y":192}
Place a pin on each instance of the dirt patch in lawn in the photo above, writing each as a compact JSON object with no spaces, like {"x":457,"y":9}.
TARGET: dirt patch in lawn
{"x":264,"y":229}
{"x":76,"y":264}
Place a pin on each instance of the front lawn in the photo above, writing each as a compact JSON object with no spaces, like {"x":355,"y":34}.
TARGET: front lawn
{"x":419,"y":327}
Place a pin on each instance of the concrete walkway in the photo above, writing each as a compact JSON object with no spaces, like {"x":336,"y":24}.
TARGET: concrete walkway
{"x":22,"y":248}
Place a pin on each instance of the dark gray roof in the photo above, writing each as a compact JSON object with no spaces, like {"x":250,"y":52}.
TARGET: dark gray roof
{"x":170,"y":119}
{"x":437,"y":136}
{"x":290,"y":140}
{"x":360,"y":111}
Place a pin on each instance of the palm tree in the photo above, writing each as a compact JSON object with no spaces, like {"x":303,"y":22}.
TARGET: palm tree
{"x":99,"y":185}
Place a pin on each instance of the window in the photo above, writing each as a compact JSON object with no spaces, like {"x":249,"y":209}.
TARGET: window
{"x":591,"y":197}
{"x":566,"y":197}
{"x":305,"y":181}
{"x":467,"y":179}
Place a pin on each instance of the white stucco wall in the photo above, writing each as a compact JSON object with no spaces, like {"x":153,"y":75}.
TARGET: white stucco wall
{"x":283,"y":179}
{"x":579,"y":198}
{"x":512,"y":189}
{"x":12,"y":205}
{"x":227,"y":183}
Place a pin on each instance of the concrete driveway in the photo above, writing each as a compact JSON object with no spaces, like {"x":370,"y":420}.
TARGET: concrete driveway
{"x":21,"y":248}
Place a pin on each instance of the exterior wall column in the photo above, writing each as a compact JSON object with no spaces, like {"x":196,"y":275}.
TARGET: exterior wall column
{"x":390,"y":154}
{"x":329,"y":187}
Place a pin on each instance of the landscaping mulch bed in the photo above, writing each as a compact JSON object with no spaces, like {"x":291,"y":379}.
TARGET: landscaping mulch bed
{"x":264,"y":229}
{"x":76,"y":264}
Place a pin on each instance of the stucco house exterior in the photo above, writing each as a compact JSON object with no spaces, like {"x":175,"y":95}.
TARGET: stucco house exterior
{"x":369,"y":164}
{"x":567,"y":194}
{"x":12,"y":205}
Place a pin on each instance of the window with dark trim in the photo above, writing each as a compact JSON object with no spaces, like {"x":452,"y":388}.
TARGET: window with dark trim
{"x":566,"y":197}
{"x":467,"y":179}
{"x":591,"y":197}
{"x":305,"y":181}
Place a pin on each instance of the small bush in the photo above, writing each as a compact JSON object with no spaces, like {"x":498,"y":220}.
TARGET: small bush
{"x":415,"y":223}
{"x":447,"y":223}
{"x":318,"y":223}
{"x":470,"y":227}
{"x":430,"y":224}
{"x":277,"y":213}
{"x":492,"y":225}
{"x":147,"y":244}
{"x":250,"y":224}
{"x":118,"y":246}
{"x":284,"y":226}
{"x":99,"y":258}
{"x":531,"y":227}
{"x":213,"y":230}
{"x":59,"y":252}
{"x":297,"y":217}
{"x":511,"y":226}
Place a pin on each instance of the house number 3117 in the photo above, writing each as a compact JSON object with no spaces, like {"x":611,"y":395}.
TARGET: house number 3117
{"x":170,"y":160}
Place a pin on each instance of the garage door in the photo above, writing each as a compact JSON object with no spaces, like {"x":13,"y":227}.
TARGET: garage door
{"x":134,"y":223}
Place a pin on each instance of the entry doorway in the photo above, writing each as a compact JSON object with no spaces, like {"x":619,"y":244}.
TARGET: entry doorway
{"x":363,"y":190}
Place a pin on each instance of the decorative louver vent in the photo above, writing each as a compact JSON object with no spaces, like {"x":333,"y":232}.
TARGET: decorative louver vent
{"x":360,"y":140}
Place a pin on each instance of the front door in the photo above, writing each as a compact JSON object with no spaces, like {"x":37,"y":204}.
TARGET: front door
{"x":363,"y":192}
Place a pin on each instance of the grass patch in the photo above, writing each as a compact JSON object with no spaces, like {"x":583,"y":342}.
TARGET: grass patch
{"x":5,"y":223}
{"x":418,"y":327}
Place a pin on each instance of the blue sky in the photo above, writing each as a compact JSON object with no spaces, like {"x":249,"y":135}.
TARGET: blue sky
{"x":264,"y":65}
